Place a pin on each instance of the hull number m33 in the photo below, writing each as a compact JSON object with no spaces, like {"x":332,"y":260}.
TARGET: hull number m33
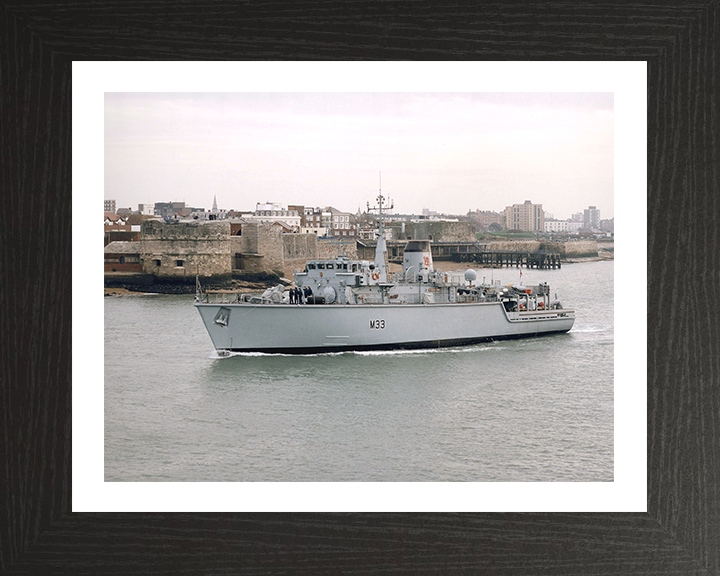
{"x":377,"y":324}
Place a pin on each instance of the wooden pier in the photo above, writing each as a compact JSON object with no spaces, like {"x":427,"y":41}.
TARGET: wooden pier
{"x":475,"y":253}
{"x":538,"y":259}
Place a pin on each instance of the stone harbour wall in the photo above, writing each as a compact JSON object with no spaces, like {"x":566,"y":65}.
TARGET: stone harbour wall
{"x":438,"y":231}
{"x":571,"y":248}
{"x":178,"y":251}
{"x":332,"y":248}
{"x":300,"y":246}
{"x":513,"y":245}
{"x":580,"y":248}
{"x":270,"y":245}
{"x":260,"y":248}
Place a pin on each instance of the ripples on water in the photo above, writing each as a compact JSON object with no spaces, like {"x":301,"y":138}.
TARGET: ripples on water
{"x":536,"y":409}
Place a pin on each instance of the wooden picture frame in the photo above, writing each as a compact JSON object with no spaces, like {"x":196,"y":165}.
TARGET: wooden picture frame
{"x":680,"y":532}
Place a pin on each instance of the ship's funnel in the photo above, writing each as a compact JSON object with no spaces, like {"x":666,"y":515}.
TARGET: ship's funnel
{"x":417,"y":258}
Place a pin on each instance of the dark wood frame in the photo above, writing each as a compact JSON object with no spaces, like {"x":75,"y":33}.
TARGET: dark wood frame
{"x":680,"y":532}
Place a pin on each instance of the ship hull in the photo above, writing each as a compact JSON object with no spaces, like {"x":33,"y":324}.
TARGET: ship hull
{"x":307,"y":329}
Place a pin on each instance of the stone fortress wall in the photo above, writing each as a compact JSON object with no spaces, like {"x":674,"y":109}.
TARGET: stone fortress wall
{"x":579,"y":248}
{"x":258,"y":249}
{"x":180,"y":250}
{"x":571,"y":248}
{"x":438,"y":231}
{"x":177,"y":251}
{"x":332,"y":248}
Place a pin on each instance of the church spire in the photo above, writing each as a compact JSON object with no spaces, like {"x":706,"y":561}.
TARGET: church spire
{"x":214,"y":208}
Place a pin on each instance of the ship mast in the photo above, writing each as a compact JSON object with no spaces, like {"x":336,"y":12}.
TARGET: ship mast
{"x":381,"y":248}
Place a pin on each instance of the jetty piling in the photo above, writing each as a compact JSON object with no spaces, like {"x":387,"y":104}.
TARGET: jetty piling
{"x":479,"y":254}
{"x":506,"y":259}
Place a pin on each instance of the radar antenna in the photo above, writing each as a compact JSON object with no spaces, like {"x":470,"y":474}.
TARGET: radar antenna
{"x":381,"y":206}
{"x":381,"y":247}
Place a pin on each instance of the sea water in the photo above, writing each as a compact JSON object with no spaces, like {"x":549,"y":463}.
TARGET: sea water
{"x":534,"y":409}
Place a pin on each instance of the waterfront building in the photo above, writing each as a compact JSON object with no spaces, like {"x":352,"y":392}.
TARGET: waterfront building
{"x":607,"y":225}
{"x":591,"y":218}
{"x":557,"y":226}
{"x":342,"y":224}
{"x":367,"y":232}
{"x":115,"y":222}
{"x":169,"y":208}
{"x":527,"y":217}
{"x":123,"y":257}
{"x":484,"y":218}
{"x":319,"y":221}
{"x":271,"y":212}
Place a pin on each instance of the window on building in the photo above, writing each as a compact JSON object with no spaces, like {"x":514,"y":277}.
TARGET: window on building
{"x":180,"y":263}
{"x":157,"y":263}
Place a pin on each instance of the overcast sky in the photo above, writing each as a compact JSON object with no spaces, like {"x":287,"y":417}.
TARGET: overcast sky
{"x":448,"y":152}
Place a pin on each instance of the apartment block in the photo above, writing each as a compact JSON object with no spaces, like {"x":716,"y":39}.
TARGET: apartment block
{"x":527,"y":217}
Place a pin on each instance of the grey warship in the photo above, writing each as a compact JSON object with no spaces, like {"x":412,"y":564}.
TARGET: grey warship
{"x":351,"y":305}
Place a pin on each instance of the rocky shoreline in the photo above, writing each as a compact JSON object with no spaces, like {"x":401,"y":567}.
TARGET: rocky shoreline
{"x":117,"y":284}
{"x":598,"y":258}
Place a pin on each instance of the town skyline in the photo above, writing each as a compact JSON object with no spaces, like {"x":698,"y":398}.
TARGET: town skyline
{"x":449,"y":153}
{"x":362,"y":209}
